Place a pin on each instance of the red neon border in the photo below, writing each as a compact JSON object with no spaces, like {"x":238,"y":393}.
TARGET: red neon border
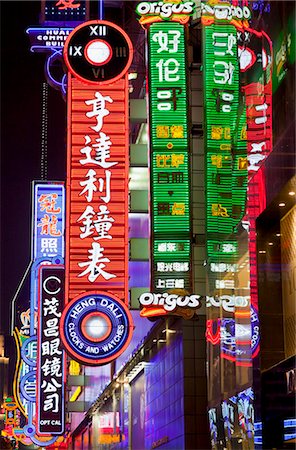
{"x":98,"y":22}
{"x":96,"y":362}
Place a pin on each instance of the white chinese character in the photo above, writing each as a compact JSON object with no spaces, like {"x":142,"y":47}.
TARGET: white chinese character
{"x":49,"y":246}
{"x":52,"y":328}
{"x":228,"y":248}
{"x":107,"y":197}
{"x":171,"y":247}
{"x":50,"y":386}
{"x":103,"y":223}
{"x":167,"y":70}
{"x":162,"y":247}
{"x":95,"y":266}
{"x":253,"y":160}
{"x":179,"y":283}
{"x":170,"y":283}
{"x":51,"y":306}
{"x":89,"y":185}
{"x":263,"y":119}
{"x":160,"y":267}
{"x":55,"y":369}
{"x":257,"y":147}
{"x":172,"y":38}
{"x":51,"y":403}
{"x":99,"y":109}
{"x":51,"y":347}
{"x":225,"y":47}
{"x":160,"y":284}
{"x":87,"y":220}
{"x":180,"y":267}
{"x":52,"y":367}
{"x":226,"y":75}
{"x":101,"y":149}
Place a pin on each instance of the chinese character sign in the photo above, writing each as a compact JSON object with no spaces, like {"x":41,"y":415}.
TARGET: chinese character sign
{"x":50,"y":366}
{"x":98,"y":55}
{"x":98,"y":208}
{"x":49,"y":219}
{"x":170,"y":191}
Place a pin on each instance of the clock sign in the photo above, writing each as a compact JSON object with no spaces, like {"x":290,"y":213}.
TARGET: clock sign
{"x":98,"y":52}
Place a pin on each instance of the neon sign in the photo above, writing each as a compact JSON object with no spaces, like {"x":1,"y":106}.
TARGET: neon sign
{"x":50,"y":361}
{"x":168,"y":302}
{"x":67,"y":11}
{"x":48,"y":220}
{"x":47,"y":39}
{"x":98,"y":55}
{"x":174,"y":11}
{"x":170,"y":192}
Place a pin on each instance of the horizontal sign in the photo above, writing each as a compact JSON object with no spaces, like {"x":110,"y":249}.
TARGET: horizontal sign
{"x":43,"y":39}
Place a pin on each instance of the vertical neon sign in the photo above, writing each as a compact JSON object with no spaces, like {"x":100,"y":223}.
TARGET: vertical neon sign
{"x":170,"y":190}
{"x":98,"y":55}
{"x":169,"y":148}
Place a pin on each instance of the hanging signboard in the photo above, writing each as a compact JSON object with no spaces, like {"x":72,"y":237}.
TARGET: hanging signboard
{"x":51,"y":358}
{"x":98,"y":55}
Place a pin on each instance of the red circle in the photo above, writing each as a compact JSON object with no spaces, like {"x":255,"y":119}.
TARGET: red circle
{"x":99,"y":22}
{"x":91,"y":338}
{"x":92,"y":62}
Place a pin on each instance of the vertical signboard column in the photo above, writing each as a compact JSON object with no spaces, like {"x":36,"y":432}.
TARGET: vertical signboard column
{"x":96,"y":324}
{"x":171,"y":270}
{"x":170,"y":191}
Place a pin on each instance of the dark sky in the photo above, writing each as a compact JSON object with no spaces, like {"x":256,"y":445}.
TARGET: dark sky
{"x":22,"y":75}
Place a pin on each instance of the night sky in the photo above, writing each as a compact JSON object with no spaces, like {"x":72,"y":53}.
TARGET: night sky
{"x":22,"y":75}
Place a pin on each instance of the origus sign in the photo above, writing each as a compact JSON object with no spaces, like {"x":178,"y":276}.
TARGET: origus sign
{"x":171,"y":281}
{"x":98,"y":55}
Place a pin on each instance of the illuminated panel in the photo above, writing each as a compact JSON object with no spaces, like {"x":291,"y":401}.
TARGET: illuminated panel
{"x":51,"y":357}
{"x":97,"y":189}
{"x":226,"y":128}
{"x":48,"y":220}
{"x":221,"y":93}
{"x":170,"y":184}
{"x":54,"y":11}
{"x":173,"y":11}
{"x":47,"y":39}
{"x":96,"y":325}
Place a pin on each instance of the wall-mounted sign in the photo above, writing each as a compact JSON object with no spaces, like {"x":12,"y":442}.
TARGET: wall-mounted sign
{"x":160,"y":304}
{"x":174,"y":11}
{"x":66,"y":11}
{"x":47,"y":39}
{"x":99,"y":53}
{"x":170,"y":183}
{"x":48,"y":220}
{"x":96,"y":328}
{"x":51,"y":357}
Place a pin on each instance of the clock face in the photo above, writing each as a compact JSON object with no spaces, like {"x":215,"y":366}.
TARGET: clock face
{"x":98,"y":52}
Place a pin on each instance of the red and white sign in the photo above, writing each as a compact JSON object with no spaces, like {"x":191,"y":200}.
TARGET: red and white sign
{"x":97,"y":188}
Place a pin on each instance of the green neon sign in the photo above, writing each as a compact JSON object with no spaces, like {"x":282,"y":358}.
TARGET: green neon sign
{"x":170,"y":184}
{"x":226,"y":145}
